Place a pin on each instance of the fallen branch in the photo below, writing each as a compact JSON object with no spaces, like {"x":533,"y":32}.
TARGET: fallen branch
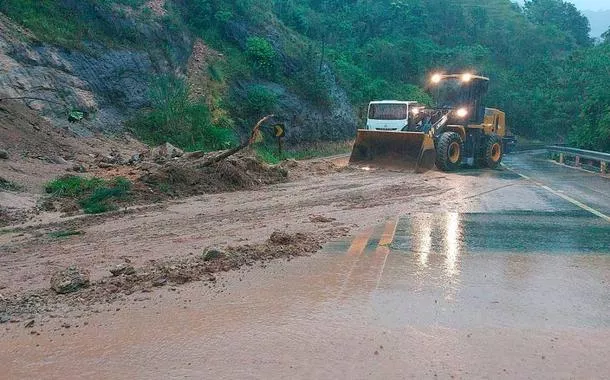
{"x":247,"y":143}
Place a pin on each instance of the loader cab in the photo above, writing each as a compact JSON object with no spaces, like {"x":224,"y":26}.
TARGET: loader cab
{"x":389,"y":115}
{"x":462,"y":94}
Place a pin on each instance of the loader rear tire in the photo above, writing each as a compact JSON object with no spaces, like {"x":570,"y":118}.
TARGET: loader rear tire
{"x":449,"y":152}
{"x":492,"y":152}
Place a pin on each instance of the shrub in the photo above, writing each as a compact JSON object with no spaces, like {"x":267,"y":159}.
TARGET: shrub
{"x":259,"y":101}
{"x":72,"y":186}
{"x":261,"y":54}
{"x":177,"y":119}
{"x":94,"y":195}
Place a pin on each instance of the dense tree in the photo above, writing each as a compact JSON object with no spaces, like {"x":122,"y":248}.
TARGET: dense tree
{"x":546,"y":72}
{"x":562,"y":15}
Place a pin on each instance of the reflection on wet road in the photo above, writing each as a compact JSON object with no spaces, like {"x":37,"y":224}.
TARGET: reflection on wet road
{"x":478,"y":293}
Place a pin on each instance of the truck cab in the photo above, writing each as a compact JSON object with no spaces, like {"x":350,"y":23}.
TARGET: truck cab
{"x":390,"y":115}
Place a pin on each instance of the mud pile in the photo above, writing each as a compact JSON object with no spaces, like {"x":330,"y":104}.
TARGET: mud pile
{"x":186,"y":176}
{"x":171,"y":272}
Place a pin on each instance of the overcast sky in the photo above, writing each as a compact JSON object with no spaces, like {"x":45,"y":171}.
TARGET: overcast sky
{"x":592,"y":4}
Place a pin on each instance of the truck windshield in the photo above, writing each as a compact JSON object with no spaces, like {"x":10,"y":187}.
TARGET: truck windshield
{"x":388,"y":111}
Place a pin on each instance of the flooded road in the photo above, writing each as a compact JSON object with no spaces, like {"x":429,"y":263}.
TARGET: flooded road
{"x":513,"y":282}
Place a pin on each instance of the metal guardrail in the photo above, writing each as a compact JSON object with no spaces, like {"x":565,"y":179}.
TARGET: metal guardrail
{"x":580,"y":154}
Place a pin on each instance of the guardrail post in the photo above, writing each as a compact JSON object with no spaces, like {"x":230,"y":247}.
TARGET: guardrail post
{"x":577,"y":161}
{"x":603,"y":166}
{"x":561,"y":158}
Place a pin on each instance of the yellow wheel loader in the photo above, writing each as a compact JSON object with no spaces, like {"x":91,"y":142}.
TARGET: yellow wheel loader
{"x":459,"y":129}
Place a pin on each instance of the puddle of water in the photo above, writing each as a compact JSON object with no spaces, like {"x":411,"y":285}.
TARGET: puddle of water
{"x":452,"y":234}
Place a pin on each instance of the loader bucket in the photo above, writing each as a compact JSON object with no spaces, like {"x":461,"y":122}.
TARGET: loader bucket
{"x":396,"y":150}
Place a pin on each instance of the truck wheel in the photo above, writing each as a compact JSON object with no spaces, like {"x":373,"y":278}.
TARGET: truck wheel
{"x":449,"y":151}
{"x":492,"y":152}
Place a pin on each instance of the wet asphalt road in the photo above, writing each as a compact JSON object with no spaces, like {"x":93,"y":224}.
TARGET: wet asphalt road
{"x":514,"y":283}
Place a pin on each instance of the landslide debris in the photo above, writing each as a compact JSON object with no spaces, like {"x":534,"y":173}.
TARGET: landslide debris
{"x":187,"y":176}
{"x":71,"y":287}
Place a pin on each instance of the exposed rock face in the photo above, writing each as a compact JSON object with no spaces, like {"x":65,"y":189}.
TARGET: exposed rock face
{"x":306,"y":122}
{"x":110,"y":83}
{"x":107,"y":84}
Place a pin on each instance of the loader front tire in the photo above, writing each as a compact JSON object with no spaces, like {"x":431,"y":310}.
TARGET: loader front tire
{"x":449,"y":151}
{"x":492,"y":152}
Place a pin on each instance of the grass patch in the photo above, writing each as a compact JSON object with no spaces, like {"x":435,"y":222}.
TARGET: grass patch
{"x":67,"y":25}
{"x":64,"y":234}
{"x":101,"y":200}
{"x":270,"y":155}
{"x":72,"y":186}
{"x":179,"y":120}
{"x":94,"y":195}
{"x":9,"y":185}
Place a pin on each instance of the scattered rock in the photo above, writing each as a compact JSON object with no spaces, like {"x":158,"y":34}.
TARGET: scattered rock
{"x":29,"y":325}
{"x":321,"y":219}
{"x":281,"y":238}
{"x":161,"y":281}
{"x":79,"y":168}
{"x":70,"y":280}
{"x":57,"y":160}
{"x":3,"y":154}
{"x":136,"y":158}
{"x":4,"y":318}
{"x":166,"y":151}
{"x":213,"y":253}
{"x":105,"y":165}
{"x":194,"y":155}
{"x":123,"y":269}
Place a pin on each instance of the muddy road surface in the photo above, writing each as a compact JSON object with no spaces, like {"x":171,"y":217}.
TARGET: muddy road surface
{"x":477,"y":274}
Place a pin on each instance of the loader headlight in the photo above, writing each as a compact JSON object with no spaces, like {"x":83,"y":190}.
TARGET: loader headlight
{"x":466,"y":77}
{"x":436,"y":78}
{"x":415,"y":111}
{"x":461,"y":112}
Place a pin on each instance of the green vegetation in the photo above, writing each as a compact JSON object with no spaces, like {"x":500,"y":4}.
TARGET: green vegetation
{"x":547,"y":74}
{"x":177,"y":119}
{"x":269,"y":153}
{"x":68,"y":24}
{"x":94,"y":195}
{"x":261,"y":54}
{"x":72,"y":186}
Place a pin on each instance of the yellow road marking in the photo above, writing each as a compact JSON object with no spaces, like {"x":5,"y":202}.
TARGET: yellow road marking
{"x":360,"y":242}
{"x":563,"y":196}
{"x":387,"y":237}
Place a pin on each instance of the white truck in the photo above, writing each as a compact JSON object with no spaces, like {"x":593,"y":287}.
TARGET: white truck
{"x":390,"y":115}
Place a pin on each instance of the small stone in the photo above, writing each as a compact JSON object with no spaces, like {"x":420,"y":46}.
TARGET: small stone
{"x":30,"y":324}
{"x":4,"y":318}
{"x":79,"y":168}
{"x":159,"y":281}
{"x":70,"y":280}
{"x":122,"y":269}
{"x":3,"y":154}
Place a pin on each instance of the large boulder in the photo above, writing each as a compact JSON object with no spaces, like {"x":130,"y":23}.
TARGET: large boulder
{"x":70,"y":280}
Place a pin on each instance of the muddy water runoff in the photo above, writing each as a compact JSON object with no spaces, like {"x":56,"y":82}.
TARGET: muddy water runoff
{"x":428,"y":295}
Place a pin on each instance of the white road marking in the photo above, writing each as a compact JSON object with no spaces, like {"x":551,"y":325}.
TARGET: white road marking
{"x":563,"y":196}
